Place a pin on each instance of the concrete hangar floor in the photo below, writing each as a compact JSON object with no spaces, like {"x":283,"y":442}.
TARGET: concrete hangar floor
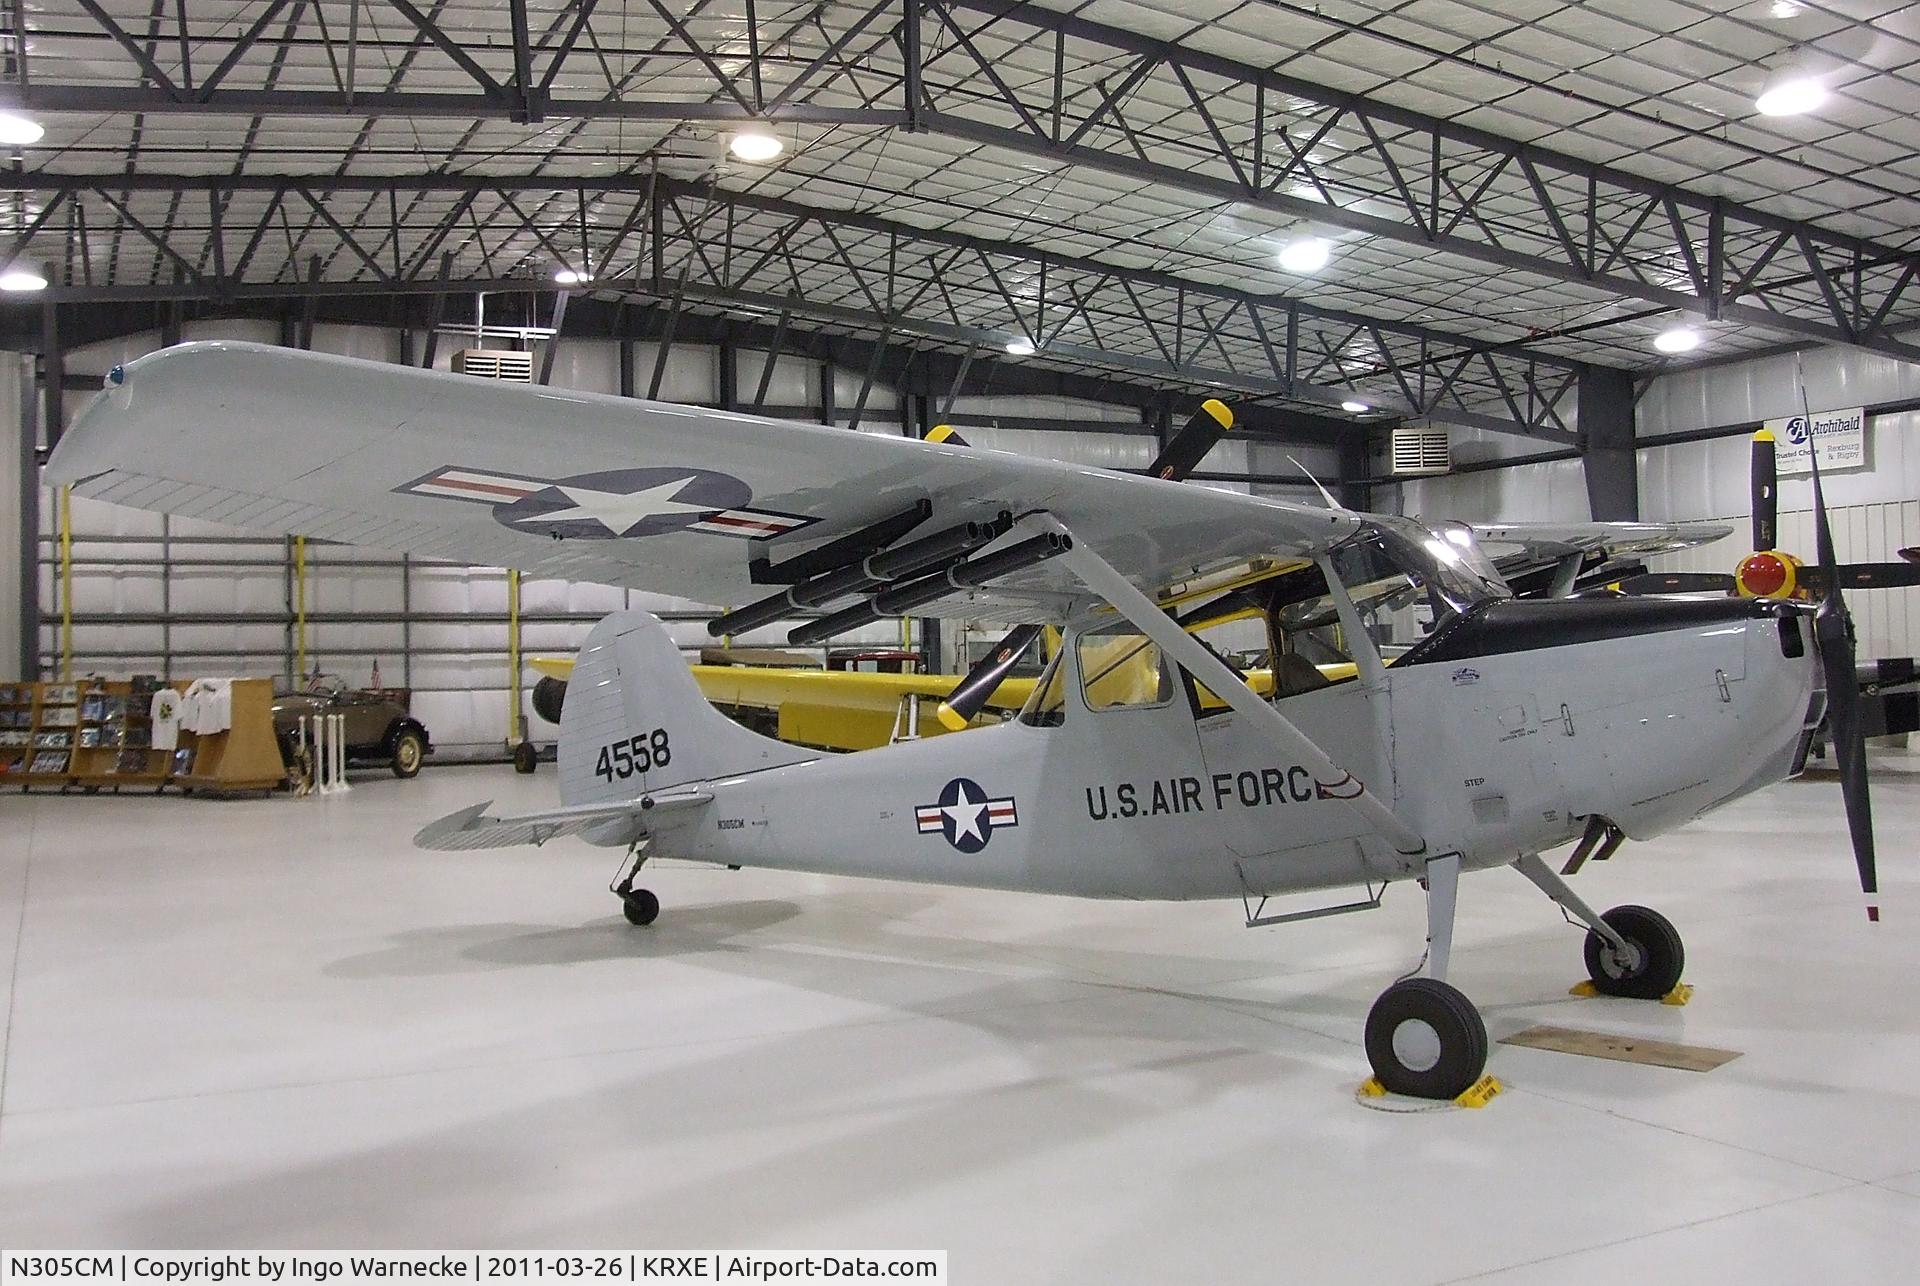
{"x":275,"y":1023}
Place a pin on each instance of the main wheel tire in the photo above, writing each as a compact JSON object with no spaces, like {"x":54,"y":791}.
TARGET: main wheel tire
{"x":641,"y":906}
{"x":409,"y":751}
{"x":1426,"y":1040}
{"x":1659,"y":957}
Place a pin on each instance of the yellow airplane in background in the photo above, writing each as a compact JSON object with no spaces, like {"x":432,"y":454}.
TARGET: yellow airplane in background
{"x":860,"y":710}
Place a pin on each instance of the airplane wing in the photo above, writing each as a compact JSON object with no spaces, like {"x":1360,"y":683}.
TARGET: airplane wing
{"x":1527,"y":544}
{"x":673,"y":499}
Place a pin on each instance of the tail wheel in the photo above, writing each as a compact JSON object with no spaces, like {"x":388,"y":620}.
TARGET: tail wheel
{"x":409,"y":750}
{"x":1651,"y":966}
{"x":525,"y":758}
{"x":641,"y":906}
{"x":1425,"y":1039}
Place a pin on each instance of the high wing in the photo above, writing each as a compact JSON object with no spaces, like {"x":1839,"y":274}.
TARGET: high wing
{"x":1532,"y":543}
{"x":584,"y":486}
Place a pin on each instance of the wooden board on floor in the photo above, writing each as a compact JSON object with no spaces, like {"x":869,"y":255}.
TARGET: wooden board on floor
{"x":1623,"y":1049}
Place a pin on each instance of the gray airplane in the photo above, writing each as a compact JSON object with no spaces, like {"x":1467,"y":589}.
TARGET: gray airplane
{"x":1404,"y":715}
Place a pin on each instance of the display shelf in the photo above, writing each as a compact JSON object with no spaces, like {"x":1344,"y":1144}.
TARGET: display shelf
{"x":105,"y":729}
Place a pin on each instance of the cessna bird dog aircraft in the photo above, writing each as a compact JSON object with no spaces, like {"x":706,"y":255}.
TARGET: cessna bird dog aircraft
{"x":1143,"y":765}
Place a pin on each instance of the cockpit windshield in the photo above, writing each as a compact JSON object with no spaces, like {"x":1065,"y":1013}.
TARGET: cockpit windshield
{"x":1404,"y":578}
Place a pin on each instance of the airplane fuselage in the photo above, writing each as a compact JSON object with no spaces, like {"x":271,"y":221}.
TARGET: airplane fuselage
{"x":1491,"y":753}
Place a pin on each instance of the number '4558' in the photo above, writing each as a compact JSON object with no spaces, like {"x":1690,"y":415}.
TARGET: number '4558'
{"x":642,"y":752}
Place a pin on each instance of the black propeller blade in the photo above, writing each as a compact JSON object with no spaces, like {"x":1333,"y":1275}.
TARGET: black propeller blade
{"x":970,"y":695}
{"x":1766,"y":493}
{"x":1677,"y":583}
{"x":1833,"y":632}
{"x":1176,"y":460}
{"x":1862,"y":576}
{"x":1190,"y":445}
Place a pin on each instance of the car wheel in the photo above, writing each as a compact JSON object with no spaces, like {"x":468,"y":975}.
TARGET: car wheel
{"x":409,"y":749}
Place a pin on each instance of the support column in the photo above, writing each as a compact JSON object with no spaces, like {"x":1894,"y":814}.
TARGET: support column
{"x":20,"y":513}
{"x":1606,"y":444}
{"x":1356,"y":466}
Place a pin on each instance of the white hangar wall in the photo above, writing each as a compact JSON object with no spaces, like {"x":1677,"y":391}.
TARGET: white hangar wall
{"x":1875,"y":510}
{"x":152,"y":594}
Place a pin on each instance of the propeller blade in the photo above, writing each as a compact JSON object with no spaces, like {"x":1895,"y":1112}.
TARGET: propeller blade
{"x":945,"y":433}
{"x":1833,"y":632}
{"x":1676,"y":583}
{"x":1766,"y":493}
{"x":1190,"y":445}
{"x":1862,"y":576}
{"x":969,"y":697}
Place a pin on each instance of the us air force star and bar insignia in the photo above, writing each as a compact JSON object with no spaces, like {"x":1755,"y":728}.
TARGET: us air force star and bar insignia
{"x":612,"y":505}
{"x":966,"y":816}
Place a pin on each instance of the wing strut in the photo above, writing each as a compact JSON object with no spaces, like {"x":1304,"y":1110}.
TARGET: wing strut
{"x":1330,"y":780}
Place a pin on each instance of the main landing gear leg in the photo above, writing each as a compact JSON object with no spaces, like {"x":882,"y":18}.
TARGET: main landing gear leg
{"x":641,"y":906}
{"x":1424,"y":1038}
{"x":1630,"y":951}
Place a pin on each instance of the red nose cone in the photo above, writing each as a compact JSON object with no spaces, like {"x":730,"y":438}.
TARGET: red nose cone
{"x":1763,"y":574}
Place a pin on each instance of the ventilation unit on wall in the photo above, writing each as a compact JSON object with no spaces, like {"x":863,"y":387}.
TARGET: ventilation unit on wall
{"x":1418,"y":451}
{"x":496,"y":364}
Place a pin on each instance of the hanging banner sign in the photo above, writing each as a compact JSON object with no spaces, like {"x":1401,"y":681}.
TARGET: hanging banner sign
{"x":1841,"y":435}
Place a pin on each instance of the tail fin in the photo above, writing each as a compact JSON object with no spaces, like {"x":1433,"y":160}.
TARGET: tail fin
{"x":636,"y":723}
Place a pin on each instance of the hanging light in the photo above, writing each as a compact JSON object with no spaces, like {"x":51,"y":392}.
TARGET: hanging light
{"x":569,"y":277}
{"x":1678,"y":339}
{"x":1022,"y":347}
{"x":1354,"y":406}
{"x":1306,"y":255}
{"x":757,"y":146}
{"x":22,"y":276}
{"x":19,"y":131}
{"x":1793,"y":89}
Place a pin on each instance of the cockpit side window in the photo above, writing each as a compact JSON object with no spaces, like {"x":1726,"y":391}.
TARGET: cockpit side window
{"x":1121,"y":669}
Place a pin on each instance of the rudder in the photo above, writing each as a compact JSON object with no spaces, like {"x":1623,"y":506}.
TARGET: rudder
{"x":635,"y":722}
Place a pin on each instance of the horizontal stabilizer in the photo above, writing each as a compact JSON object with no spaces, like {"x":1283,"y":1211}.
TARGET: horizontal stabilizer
{"x":471,"y":828}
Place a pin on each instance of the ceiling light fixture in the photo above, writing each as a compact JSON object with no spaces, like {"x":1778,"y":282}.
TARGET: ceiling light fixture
{"x":1309,"y":254}
{"x":568,"y":277}
{"x":1792,"y":90}
{"x":1786,"y":9}
{"x":22,"y":276}
{"x":1020,"y":348}
{"x":1353,"y":406}
{"x":755,"y":145}
{"x":19,"y":131}
{"x":1680,"y":339}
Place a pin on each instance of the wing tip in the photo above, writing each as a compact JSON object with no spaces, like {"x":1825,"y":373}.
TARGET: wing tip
{"x":435,"y":834}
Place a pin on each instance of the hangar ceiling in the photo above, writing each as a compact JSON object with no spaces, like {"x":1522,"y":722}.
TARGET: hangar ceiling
{"x":1504,"y":191}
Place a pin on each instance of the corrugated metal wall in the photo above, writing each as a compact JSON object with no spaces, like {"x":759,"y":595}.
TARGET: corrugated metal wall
{"x":1874,"y":510}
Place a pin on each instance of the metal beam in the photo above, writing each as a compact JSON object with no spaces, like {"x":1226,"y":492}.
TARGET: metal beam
{"x":723,"y":250}
{"x":933,"y":65}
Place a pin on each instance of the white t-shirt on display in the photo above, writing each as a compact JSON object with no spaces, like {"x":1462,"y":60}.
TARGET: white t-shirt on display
{"x":166,"y":719}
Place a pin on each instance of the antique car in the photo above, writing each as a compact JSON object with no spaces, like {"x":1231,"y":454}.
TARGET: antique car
{"x":379,"y":727}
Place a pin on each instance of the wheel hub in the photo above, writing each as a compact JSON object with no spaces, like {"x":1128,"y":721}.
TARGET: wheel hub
{"x":1623,"y":963}
{"x":1416,"y":1045}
